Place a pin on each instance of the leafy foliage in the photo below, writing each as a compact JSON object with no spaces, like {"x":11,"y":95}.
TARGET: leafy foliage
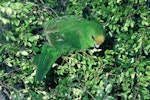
{"x":119,"y":70}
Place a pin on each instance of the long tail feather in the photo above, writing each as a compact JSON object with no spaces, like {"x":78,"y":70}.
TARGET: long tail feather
{"x":45,"y":60}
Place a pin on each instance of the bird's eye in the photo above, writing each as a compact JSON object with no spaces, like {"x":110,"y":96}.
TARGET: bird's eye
{"x":93,"y":37}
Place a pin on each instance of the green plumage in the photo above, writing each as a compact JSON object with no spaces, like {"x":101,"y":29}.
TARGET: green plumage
{"x":64,"y":34}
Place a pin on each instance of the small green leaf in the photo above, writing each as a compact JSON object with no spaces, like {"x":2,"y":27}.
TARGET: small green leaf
{"x":109,"y":98}
{"x":12,"y":38}
{"x":108,"y":88}
{"x":24,"y":53}
{"x":125,"y":28}
{"x":100,"y":94}
{"x":9,"y":11}
{"x":34,"y":38}
{"x":85,"y":98}
{"x":29,"y":44}
{"x":144,"y":22}
{"x":17,"y":22}
{"x":7,"y":38}
{"x":0,"y":59}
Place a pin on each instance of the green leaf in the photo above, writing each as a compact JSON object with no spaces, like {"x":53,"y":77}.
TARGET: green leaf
{"x":9,"y":11}
{"x":17,"y":22}
{"x":109,"y":98}
{"x":12,"y":38}
{"x":30,"y":4}
{"x":24,"y":53}
{"x":108,"y":88}
{"x":0,"y":58}
{"x":33,"y":38}
{"x":100,"y":94}
{"x":85,"y":98}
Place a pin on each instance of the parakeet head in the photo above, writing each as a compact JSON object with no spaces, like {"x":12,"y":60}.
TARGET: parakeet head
{"x":98,"y":40}
{"x":96,"y":33}
{"x":93,"y":34}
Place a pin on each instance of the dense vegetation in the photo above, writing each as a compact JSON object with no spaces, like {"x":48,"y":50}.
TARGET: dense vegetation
{"x":119,"y":70}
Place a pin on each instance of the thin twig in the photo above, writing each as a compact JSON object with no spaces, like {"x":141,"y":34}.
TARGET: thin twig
{"x":10,"y":72}
{"x":136,"y":95}
{"x":51,"y":10}
{"x":85,"y":90}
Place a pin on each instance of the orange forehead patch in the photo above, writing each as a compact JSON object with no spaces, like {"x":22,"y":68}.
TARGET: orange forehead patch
{"x":100,"y":39}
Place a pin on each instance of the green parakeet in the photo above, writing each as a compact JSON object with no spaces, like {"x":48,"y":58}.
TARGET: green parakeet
{"x":64,"y":34}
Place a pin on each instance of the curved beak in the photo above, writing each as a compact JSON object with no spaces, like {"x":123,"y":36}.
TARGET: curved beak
{"x":97,"y":46}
